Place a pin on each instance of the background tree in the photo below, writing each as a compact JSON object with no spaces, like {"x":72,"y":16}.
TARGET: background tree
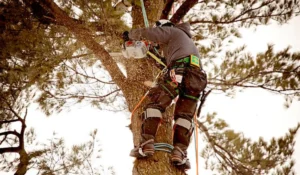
{"x":81,"y":68}
{"x":26,"y":58}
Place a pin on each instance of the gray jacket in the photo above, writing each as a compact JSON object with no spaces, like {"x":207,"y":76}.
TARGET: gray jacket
{"x":175,"y":41}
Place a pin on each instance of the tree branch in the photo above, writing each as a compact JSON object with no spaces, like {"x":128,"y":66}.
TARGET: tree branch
{"x":10,"y":150}
{"x":87,"y":76}
{"x":80,"y":96}
{"x":84,"y":35}
{"x":202,"y":101}
{"x":167,"y":9}
{"x":183,"y":9}
{"x":8,"y":121}
{"x":5,"y":134}
{"x":239,"y":18}
{"x":14,"y":112}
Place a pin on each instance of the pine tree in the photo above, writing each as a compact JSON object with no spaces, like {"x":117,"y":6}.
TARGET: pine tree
{"x":83,"y":39}
{"x":27,"y":56}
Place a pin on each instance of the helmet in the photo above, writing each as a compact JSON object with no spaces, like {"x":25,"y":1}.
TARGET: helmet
{"x":163,"y":22}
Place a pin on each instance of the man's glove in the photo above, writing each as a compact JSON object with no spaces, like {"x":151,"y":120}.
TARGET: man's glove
{"x":125,"y":36}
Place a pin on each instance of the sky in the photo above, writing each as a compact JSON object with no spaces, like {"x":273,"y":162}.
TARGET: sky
{"x":256,"y":113}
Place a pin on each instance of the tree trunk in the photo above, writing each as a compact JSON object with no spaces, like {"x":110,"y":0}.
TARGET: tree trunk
{"x":160,"y":163}
{"x":23,"y":164}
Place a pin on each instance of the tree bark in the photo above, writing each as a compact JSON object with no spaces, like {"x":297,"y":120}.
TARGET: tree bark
{"x":23,"y":164}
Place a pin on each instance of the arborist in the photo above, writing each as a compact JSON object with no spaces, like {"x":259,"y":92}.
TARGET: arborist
{"x":185,"y":78}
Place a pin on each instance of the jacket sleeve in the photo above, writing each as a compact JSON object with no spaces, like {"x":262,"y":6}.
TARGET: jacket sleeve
{"x":157,"y":34}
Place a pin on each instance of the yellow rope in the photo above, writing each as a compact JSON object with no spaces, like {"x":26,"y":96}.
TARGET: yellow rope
{"x":156,"y":58}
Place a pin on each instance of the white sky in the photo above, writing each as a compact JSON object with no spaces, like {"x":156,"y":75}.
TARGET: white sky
{"x":254,"y":112}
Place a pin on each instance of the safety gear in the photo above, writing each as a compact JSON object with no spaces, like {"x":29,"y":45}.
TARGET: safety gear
{"x":184,"y":123}
{"x":190,"y":60}
{"x":151,"y":119}
{"x":151,"y":112}
{"x":146,"y":147}
{"x":183,"y":129}
{"x":179,"y":157}
{"x":164,"y":22}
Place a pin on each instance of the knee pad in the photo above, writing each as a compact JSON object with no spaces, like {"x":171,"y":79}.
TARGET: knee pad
{"x":151,"y":120}
{"x":183,"y":130}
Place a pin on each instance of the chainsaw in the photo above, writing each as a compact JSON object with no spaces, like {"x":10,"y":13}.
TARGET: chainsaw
{"x":135,"y":49}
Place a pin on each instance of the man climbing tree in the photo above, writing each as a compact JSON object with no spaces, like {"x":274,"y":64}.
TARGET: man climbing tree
{"x":184,"y":77}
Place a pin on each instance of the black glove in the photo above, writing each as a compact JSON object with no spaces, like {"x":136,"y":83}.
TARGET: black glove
{"x":125,"y":36}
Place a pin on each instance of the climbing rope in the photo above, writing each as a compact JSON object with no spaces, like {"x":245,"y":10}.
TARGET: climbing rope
{"x":196,"y":143}
{"x":144,"y":14}
{"x":161,"y":146}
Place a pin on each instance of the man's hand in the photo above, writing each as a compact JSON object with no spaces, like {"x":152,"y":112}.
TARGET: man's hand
{"x":125,"y":36}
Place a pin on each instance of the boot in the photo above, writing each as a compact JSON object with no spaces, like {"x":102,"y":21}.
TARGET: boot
{"x":146,"y":147}
{"x":179,"y":157}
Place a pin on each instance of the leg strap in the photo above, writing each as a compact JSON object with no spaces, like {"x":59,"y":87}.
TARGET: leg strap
{"x":185,"y":159}
{"x":151,"y":120}
{"x":142,"y":145}
{"x":183,"y":130}
{"x":184,"y":123}
{"x":152,"y":112}
{"x":145,"y":149}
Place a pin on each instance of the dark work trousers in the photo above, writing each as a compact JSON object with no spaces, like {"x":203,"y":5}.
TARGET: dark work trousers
{"x":193,"y":83}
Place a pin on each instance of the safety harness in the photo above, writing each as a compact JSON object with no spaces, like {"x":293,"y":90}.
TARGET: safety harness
{"x":177,"y":71}
{"x":190,"y":60}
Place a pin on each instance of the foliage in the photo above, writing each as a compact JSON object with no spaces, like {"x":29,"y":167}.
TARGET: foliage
{"x":275,"y":72}
{"x":230,"y":152}
{"x":57,"y":52}
{"x":54,"y":157}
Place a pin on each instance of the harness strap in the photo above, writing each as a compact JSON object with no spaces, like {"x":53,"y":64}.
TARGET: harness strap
{"x":141,"y":152}
{"x":146,"y":142}
{"x":191,"y":97}
{"x":190,"y":60}
{"x":184,"y":123}
{"x":167,"y":90}
{"x":152,"y":112}
{"x":184,"y":159}
{"x":142,"y":145}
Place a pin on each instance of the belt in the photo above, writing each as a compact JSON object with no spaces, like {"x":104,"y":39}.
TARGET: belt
{"x":190,"y":60}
